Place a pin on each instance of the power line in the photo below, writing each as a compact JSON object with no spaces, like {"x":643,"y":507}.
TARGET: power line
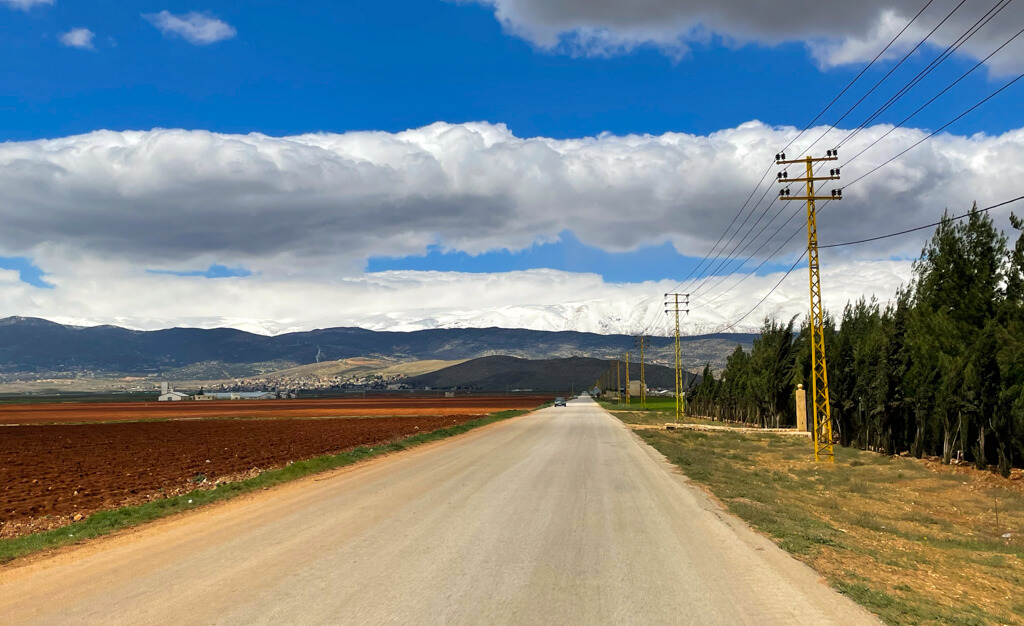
{"x":729,"y":257}
{"x":983,"y":21}
{"x":770,"y":292}
{"x":887,"y":74}
{"x":938,"y":130}
{"x":953,"y":47}
{"x":932,"y":134}
{"x":932,"y":225}
{"x":792,"y":141}
{"x":851,"y":243}
{"x":937,"y":96}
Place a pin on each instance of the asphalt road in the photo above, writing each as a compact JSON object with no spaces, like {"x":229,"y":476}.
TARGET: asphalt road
{"x":559,"y":517}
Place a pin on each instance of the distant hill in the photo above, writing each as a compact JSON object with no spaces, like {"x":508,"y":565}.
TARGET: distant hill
{"x":41,"y":346}
{"x":498,"y":373}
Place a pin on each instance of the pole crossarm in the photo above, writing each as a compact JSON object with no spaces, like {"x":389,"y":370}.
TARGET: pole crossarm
{"x":823,"y":439}
{"x":806,"y":160}
{"x":804,"y":180}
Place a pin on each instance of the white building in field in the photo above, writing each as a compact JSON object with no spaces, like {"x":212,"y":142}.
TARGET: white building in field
{"x":168,"y":394}
{"x":237,"y":395}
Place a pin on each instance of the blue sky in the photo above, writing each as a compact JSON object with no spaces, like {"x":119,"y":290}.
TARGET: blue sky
{"x":391,"y":65}
{"x":286,"y":68}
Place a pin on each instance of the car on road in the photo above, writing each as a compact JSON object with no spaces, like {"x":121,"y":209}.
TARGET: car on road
{"x":559,"y":401}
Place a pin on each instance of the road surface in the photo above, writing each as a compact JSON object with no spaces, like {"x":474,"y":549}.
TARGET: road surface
{"x":558,"y":517}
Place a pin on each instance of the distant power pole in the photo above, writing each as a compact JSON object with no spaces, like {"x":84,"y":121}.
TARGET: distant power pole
{"x":643,"y":380}
{"x":618,"y":381}
{"x":627,"y":378}
{"x":819,"y":371}
{"x":678,"y":303}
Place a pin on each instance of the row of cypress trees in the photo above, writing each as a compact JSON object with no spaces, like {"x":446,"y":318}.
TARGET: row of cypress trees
{"x":937,"y":371}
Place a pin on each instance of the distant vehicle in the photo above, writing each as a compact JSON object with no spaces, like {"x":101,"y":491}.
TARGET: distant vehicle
{"x":559,"y":401}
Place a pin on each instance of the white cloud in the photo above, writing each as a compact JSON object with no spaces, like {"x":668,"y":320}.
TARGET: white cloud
{"x":536,"y":299}
{"x":24,"y":5}
{"x":836,"y":32}
{"x":196,"y":28}
{"x":303,"y":213}
{"x":326,"y":202}
{"x":78,"y":38}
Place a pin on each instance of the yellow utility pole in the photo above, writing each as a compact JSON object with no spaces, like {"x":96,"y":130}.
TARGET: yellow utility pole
{"x":627,"y":379}
{"x":618,"y":381}
{"x":823,"y":444}
{"x":643,"y":380}
{"x":673,"y":304}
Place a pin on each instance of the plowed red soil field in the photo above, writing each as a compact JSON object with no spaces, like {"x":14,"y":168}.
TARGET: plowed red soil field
{"x":64,"y":470}
{"x":74,"y":412}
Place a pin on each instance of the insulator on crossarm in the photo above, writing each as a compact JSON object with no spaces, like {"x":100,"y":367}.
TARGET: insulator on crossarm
{"x":839,"y":193}
{"x":778,"y":157}
{"x":783,"y":156}
{"x":785,"y":174}
{"x":780,"y":176}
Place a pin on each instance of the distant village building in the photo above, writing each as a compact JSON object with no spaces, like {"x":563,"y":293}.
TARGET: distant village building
{"x":238,"y":395}
{"x":168,"y":394}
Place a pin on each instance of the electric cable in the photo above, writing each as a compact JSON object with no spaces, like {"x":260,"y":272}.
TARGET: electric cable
{"x":932,"y":225}
{"x":952,"y":48}
{"x":800,"y":134}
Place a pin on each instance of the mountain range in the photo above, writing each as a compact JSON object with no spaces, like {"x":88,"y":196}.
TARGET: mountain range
{"x":33,"y":345}
{"x":501,"y":373}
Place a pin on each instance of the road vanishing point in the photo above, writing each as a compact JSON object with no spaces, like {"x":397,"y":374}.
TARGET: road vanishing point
{"x":561,"y":516}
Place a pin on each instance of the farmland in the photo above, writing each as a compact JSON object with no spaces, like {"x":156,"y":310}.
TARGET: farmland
{"x":80,"y":412}
{"x":108,"y":456}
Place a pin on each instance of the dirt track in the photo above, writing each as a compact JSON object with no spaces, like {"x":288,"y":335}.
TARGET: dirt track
{"x":73,"y":412}
{"x":63,"y":470}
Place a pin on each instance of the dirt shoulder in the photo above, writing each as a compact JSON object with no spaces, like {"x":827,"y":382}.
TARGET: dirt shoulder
{"x":913,"y":541}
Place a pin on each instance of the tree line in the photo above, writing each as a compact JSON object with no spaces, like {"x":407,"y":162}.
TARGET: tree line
{"x":937,"y":371}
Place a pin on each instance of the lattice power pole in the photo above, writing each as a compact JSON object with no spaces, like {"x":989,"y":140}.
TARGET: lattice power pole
{"x":678,"y":303}
{"x":626,"y":354}
{"x":618,"y":381}
{"x":643,"y":380}
{"x":823,"y":444}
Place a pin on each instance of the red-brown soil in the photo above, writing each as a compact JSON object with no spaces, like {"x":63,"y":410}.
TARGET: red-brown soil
{"x":74,"y":412}
{"x":49,"y":474}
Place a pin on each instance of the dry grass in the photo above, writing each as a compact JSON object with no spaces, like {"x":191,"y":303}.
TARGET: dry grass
{"x":913,"y":541}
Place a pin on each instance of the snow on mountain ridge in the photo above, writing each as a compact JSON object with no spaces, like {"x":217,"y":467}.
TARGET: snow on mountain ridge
{"x":595,"y":316}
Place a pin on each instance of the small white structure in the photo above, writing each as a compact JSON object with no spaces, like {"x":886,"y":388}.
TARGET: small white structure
{"x":168,"y":394}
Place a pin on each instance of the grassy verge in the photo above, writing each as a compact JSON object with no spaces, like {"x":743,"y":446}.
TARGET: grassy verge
{"x":659,"y":411}
{"x":105,"y":522}
{"x":914,"y":542}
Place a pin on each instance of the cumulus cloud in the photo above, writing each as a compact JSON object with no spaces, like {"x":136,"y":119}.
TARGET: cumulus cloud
{"x":78,"y":38}
{"x":196,"y":28}
{"x":24,"y":5}
{"x":326,"y":202}
{"x":836,"y":32}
